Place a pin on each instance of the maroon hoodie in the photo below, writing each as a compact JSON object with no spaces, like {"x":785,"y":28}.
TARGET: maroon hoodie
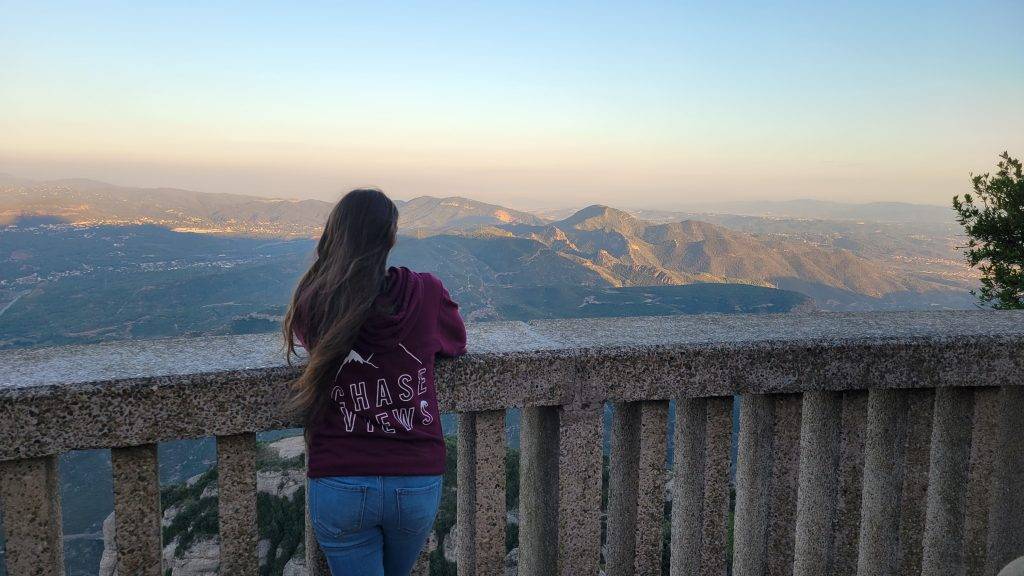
{"x":384,"y":418}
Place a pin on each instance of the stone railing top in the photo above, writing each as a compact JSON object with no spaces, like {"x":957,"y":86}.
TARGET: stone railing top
{"x":121,"y":360}
{"x":133,"y":392}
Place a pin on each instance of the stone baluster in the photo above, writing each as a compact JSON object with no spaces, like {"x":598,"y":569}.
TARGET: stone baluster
{"x":851,"y":483}
{"x":1006,"y":515}
{"x":820,"y":437}
{"x":914,"y":495}
{"x":829,"y":496}
{"x":481,"y":493}
{"x":883,"y":480}
{"x":538,"y":490}
{"x":766,"y":484}
{"x":30,"y":498}
{"x":650,"y":509}
{"x":946,"y":500}
{"x":894,"y":417}
{"x":579,"y":488}
{"x":700,"y":487}
{"x":636,"y":487}
{"x":622,"y":488}
{"x":137,"y":510}
{"x":979,"y":485}
{"x":236,"y":490}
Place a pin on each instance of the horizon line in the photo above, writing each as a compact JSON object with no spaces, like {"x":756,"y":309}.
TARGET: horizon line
{"x":693,"y":204}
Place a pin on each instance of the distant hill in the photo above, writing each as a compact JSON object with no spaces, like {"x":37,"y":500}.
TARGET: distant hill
{"x":627,"y":251}
{"x":62,"y":284}
{"x":821,"y":210}
{"x":82,"y":201}
{"x":427,"y":215}
{"x":845,"y":264}
{"x":91,"y":202}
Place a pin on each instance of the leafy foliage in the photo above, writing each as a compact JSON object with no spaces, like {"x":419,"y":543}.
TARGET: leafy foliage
{"x":993,"y":218}
{"x":283,"y":524}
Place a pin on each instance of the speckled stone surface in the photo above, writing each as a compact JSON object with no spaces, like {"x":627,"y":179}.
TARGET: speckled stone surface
{"x":538,"y":490}
{"x":1006,"y":521}
{"x":636,"y":488}
{"x":782,"y":496}
{"x":917,"y":462}
{"x":819,"y":482}
{"x":700,"y":488}
{"x":717,"y":468}
{"x":137,"y":510}
{"x":579,"y":489}
{"x":236,"y":483}
{"x":661,"y":358}
{"x":30,"y":494}
{"x":984,"y":434}
{"x":650,"y":508}
{"x":883,"y":483}
{"x":851,"y":472}
{"x":944,"y":537}
{"x":766,"y":484}
{"x":688,"y":486}
{"x":623,"y":489}
{"x":753,"y":481}
{"x":465,"y":508}
{"x":489,"y":515}
{"x":129,"y":393}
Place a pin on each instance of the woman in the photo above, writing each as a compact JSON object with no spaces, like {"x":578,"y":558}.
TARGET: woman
{"x":373,"y":431}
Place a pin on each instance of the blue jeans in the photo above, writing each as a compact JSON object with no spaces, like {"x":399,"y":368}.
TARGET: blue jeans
{"x":373,"y":525}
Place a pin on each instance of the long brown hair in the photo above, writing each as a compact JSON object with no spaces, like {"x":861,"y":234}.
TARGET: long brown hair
{"x":336,"y":295}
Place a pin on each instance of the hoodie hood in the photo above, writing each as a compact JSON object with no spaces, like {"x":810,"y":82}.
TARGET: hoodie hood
{"x":403,"y":299}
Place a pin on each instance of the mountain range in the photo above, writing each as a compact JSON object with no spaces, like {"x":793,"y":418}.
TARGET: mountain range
{"x":600,"y":245}
{"x":80,"y":201}
{"x":809,"y":209}
{"x":627,"y":251}
{"x":488,"y":252}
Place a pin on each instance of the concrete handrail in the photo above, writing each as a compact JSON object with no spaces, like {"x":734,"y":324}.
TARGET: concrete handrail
{"x":869,"y":442}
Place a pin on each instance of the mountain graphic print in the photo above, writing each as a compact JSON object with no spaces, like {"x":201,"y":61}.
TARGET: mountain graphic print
{"x":381,"y":405}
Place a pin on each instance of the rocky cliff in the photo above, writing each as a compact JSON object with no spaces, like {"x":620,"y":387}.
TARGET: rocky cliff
{"x":191,"y":545}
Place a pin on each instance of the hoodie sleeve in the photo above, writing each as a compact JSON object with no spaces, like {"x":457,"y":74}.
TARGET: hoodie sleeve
{"x":450,"y":329}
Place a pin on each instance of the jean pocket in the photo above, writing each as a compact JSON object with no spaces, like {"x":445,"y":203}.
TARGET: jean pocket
{"x":336,"y":508}
{"x":417,"y":507}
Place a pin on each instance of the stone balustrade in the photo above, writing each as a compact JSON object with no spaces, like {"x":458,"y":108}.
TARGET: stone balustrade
{"x":870,"y":444}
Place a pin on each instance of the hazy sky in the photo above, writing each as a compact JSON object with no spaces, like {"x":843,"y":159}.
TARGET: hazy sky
{"x":637,"y":104}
